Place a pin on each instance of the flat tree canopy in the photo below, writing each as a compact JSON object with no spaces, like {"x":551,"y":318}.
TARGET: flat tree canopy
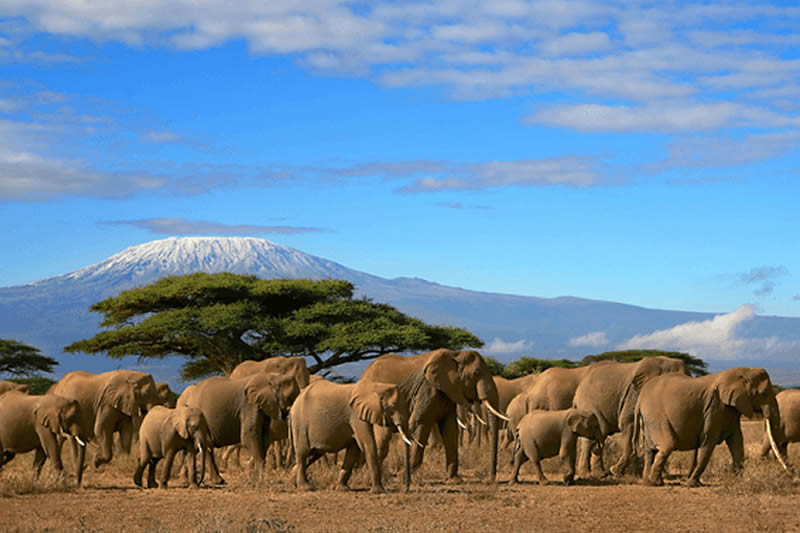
{"x":217,"y":321}
{"x":695,"y":365}
{"x":22,"y":360}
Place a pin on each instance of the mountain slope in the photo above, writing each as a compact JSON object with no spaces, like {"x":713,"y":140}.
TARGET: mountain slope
{"x":53,"y":312}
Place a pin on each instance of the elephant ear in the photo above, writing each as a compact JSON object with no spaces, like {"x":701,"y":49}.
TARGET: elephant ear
{"x":575,"y":418}
{"x":442,"y":372}
{"x":733,"y":391}
{"x":261,"y":392}
{"x":47,"y":416}
{"x":180,"y":421}
{"x":369,"y":399}
{"x":119,"y":394}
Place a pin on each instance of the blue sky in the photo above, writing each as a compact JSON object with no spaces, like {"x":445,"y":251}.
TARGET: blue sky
{"x":640,"y":154}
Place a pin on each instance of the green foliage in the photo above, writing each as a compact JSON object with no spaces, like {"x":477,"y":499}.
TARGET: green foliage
{"x":531,"y":365}
{"x":695,"y":365}
{"x":22,"y":360}
{"x":37,"y":384}
{"x":495,"y":367}
{"x":217,"y":321}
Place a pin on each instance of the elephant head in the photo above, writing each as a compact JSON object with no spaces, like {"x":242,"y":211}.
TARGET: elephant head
{"x":59,"y":415}
{"x":382,"y":404}
{"x":273,"y":394}
{"x":479,"y":386}
{"x":442,"y":371}
{"x":585,"y":424}
{"x":190,"y":424}
{"x":749,"y":391}
{"x":166,"y":397}
{"x":297,"y":368}
{"x":132,"y":393}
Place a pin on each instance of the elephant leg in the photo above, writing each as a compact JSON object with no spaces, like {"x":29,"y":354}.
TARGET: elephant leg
{"x":618,"y":468}
{"x":657,"y":468}
{"x":735,"y":444}
{"x":366,"y":435}
{"x":303,"y":459}
{"x":51,"y":448}
{"x":105,"y":452}
{"x":703,"y":456}
{"x":584,"y":457}
{"x":38,"y":462}
{"x":649,"y":455}
{"x":567,"y":454}
{"x":168,"y":459}
{"x":449,"y":430}
{"x":137,"y":475}
{"x":519,"y":459}
{"x":126,"y":435}
{"x":350,"y":458}
{"x":214,"y":477}
{"x":151,"y":472}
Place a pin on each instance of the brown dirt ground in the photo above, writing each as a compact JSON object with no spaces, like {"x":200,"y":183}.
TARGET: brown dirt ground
{"x":762,"y":499}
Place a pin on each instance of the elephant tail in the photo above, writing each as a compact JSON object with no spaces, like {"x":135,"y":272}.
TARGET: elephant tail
{"x":637,"y":440}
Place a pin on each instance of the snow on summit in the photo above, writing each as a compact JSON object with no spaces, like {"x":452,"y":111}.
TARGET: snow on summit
{"x":147,"y":262}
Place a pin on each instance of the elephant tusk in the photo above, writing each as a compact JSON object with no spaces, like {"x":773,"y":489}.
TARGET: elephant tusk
{"x":79,"y":441}
{"x":495,"y":412}
{"x":403,"y":435}
{"x":481,"y":420}
{"x":775,"y":447}
{"x":418,"y":443}
{"x":460,"y":423}
{"x":200,"y":448}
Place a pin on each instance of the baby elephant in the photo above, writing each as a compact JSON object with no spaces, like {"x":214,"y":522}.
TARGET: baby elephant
{"x":163,"y":433}
{"x":543,"y":434}
{"x":36,"y":423}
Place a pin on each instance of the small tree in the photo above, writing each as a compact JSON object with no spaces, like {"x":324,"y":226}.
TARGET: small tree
{"x":20,"y":359}
{"x":695,"y":365}
{"x":217,"y":321}
{"x":531,"y":365}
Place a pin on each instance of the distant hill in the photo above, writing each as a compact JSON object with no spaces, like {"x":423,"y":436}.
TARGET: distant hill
{"x":53,"y":312}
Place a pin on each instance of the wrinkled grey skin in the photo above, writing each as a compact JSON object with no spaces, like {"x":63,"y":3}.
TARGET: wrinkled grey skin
{"x":163,"y":433}
{"x":543,"y":434}
{"x":676,"y":412}
{"x":37,"y":423}
{"x":241,"y":410}
{"x":6,"y":386}
{"x":329,"y":417}
{"x":111,"y":402}
{"x":609,"y":390}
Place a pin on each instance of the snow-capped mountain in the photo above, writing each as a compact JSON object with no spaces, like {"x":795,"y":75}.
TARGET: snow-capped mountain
{"x":53,"y":312}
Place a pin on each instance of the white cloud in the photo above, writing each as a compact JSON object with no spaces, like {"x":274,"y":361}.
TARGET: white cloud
{"x":182,"y":226}
{"x":716,"y":339}
{"x":593,"y":340}
{"x":499,"y":346}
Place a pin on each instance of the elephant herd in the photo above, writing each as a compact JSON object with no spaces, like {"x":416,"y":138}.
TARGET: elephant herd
{"x":655,"y":405}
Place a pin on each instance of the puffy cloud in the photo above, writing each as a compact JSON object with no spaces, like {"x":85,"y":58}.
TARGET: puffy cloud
{"x":716,"y":339}
{"x":593,"y":340}
{"x":499,"y":346}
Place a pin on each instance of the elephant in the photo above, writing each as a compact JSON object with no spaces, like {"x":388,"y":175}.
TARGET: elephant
{"x":287,"y":366}
{"x":166,"y":397}
{"x":109,"y":402}
{"x":328,"y":417}
{"x":610,"y":389}
{"x":788,"y":427}
{"x":241,"y":410}
{"x":434,"y":383}
{"x":6,"y":386}
{"x":676,"y":412}
{"x":279,"y":431}
{"x":35,"y":423}
{"x":165,"y":431}
{"x":552,"y":390}
{"x":508,"y":389}
{"x":543,"y":434}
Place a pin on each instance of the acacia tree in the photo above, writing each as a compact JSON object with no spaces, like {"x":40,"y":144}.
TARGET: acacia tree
{"x":695,"y":365}
{"x":23,"y":360}
{"x":217,"y":321}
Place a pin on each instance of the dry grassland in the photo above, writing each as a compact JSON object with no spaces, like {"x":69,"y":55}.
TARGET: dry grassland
{"x":763,"y":498}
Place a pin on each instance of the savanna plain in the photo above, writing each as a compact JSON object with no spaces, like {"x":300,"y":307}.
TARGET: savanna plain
{"x":762,"y":498}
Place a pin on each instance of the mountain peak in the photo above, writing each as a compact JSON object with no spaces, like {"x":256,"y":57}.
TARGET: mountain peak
{"x":147,"y":262}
